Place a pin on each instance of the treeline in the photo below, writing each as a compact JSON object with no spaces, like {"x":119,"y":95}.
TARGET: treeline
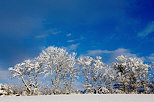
{"x":127,"y":75}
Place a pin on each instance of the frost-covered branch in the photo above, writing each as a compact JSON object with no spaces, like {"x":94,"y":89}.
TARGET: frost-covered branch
{"x":131,"y":72}
{"x":61,"y":67}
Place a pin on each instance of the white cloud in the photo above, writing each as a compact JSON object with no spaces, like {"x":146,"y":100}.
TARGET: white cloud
{"x":75,"y":40}
{"x":47,"y":33}
{"x":119,"y":51}
{"x":98,"y":52}
{"x":73,"y":46}
{"x":70,"y":41}
{"x":148,"y":29}
{"x":52,"y":31}
{"x":69,"y":34}
{"x":41,"y":36}
{"x":110,"y":55}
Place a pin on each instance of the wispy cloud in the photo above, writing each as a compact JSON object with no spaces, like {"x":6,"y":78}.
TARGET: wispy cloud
{"x":110,"y":55}
{"x":147,"y":30}
{"x":69,"y":34}
{"x":73,"y":46}
{"x":41,"y":36}
{"x":118,"y":51}
{"x":48,"y":33}
{"x":52,"y":31}
{"x":98,"y":52}
{"x":74,"y":40}
{"x":70,"y":41}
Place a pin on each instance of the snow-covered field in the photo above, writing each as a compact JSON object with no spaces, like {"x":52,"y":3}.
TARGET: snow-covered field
{"x":80,"y":98}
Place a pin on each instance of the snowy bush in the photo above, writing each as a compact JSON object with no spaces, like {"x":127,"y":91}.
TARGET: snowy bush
{"x":6,"y":90}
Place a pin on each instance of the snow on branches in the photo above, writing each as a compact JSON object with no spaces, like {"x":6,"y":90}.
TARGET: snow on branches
{"x":61,"y":67}
{"x":131,"y":72}
{"x":97,"y":74}
{"x":28,"y":72}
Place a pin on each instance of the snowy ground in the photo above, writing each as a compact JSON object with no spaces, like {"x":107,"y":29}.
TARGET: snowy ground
{"x":80,"y":98}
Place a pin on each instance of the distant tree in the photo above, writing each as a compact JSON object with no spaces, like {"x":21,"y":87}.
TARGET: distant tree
{"x":96,"y":73}
{"x":151,"y":78}
{"x":131,"y":73}
{"x":151,"y":73}
{"x":61,"y":68}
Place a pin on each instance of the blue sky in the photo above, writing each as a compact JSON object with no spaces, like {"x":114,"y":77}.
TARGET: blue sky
{"x":89,"y":27}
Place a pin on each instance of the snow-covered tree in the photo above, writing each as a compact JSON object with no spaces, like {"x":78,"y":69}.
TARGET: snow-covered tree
{"x":97,"y":74}
{"x":28,"y":72}
{"x":151,"y":78}
{"x":61,"y":68}
{"x":131,"y":72}
{"x":151,"y":73}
